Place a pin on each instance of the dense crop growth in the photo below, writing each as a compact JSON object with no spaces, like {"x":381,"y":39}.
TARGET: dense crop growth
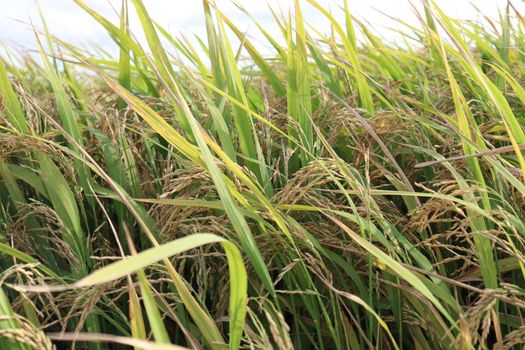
{"x":342,"y":193}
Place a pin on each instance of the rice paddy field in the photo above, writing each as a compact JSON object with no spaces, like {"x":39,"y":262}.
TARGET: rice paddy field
{"x":340,"y":192}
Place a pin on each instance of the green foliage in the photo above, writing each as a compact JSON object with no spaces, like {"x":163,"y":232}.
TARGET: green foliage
{"x":364,"y":194}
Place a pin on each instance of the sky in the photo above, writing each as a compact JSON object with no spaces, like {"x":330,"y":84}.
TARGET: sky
{"x":68,"y":21}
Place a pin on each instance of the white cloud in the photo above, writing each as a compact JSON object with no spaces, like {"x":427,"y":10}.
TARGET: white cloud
{"x":69,"y":22}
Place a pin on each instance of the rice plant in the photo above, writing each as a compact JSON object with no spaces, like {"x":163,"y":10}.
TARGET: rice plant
{"x":340,"y":192}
